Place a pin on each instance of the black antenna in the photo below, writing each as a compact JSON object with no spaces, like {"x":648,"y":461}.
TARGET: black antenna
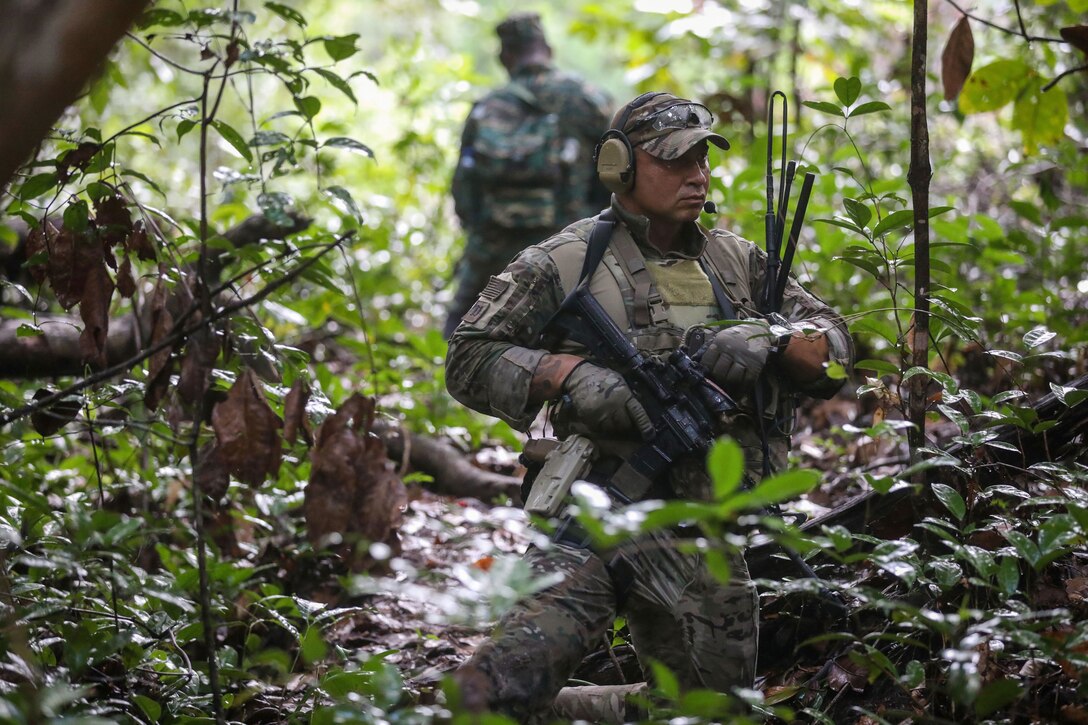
{"x":778,"y":269}
{"x":774,"y":219}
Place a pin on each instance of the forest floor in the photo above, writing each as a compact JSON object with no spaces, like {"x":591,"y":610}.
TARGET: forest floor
{"x":457,"y":569}
{"x":439,"y":601}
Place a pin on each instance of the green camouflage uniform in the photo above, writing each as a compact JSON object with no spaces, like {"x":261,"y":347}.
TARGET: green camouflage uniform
{"x":678,"y":614}
{"x":501,"y":219}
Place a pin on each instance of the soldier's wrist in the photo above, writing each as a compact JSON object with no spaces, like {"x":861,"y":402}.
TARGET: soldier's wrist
{"x":551,"y":375}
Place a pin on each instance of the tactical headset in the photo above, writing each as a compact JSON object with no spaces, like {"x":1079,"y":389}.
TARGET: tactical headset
{"x":614,"y":155}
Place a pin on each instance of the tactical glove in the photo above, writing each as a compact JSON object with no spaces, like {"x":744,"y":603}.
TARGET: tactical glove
{"x":601,"y":403}
{"x":736,"y":355}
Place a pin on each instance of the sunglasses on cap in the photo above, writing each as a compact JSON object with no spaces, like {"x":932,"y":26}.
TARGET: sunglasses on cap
{"x":680,"y":116}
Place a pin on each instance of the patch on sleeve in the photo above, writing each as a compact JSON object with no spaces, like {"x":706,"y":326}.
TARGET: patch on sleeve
{"x":476,"y":312}
{"x":495,"y":287}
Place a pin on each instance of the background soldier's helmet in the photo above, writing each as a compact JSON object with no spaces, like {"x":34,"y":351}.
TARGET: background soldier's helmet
{"x":520,"y":29}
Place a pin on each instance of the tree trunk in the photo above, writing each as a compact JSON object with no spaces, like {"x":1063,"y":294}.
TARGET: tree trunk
{"x":919,"y":177}
{"x":49,"y":49}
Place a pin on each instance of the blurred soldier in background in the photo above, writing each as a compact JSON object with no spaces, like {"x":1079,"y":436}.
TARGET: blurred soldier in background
{"x":526,"y":164}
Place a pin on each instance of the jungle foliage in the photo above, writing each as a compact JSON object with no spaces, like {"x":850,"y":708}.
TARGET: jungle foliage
{"x":188,"y":527}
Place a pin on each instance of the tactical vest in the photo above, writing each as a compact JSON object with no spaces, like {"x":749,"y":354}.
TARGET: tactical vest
{"x":624,"y":287}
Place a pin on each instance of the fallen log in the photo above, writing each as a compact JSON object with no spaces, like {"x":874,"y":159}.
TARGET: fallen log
{"x":894,"y":514}
{"x":453,"y":475}
{"x":56,"y":351}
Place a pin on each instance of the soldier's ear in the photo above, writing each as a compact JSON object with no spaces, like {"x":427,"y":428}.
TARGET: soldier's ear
{"x":615,"y":159}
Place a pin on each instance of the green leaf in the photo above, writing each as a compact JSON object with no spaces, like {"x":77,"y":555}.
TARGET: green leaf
{"x":312,"y":645}
{"x":337,"y":82}
{"x":726,"y":466}
{"x":234,"y":139}
{"x":825,"y":107}
{"x":996,"y":695}
{"x":342,"y":195}
{"x":665,"y":681}
{"x":1038,"y":336}
{"x":152,"y":709}
{"x":1069,"y":396}
{"x":185,"y":126}
{"x":881,"y":367}
{"x":1008,"y":575}
{"x":1024,"y":546}
{"x":895,"y":220}
{"x":844,"y":224}
{"x":951,"y":499}
{"x":159,"y":16}
{"x":869,"y":107}
{"x":847,"y":89}
{"x":856,"y":210}
{"x":28,"y":330}
{"x":343,"y":142}
{"x":308,"y":106}
{"x":781,"y":487}
{"x":76,"y":216}
{"x":1040,"y":117}
{"x":287,"y":13}
{"x":992,"y":86}
{"x":37,"y":185}
{"x":341,"y":47}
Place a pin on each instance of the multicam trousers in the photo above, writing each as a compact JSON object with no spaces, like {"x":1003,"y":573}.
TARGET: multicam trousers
{"x":678,"y":614}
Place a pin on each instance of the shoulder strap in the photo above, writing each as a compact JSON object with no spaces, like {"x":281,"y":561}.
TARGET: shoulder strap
{"x":724,"y":303}
{"x":523,"y":93}
{"x":595,"y":248}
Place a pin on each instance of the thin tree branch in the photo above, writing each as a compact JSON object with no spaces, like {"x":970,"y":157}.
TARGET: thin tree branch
{"x":1003,"y":29}
{"x":1063,"y":74}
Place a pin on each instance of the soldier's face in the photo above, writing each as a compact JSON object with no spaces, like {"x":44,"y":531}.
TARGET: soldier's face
{"x":672,"y":191}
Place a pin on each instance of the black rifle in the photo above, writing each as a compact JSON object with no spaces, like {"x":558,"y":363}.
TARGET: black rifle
{"x":687,"y":409}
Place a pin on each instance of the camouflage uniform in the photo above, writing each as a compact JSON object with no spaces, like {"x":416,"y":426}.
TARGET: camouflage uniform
{"x":497,"y":230}
{"x":677,"y":612}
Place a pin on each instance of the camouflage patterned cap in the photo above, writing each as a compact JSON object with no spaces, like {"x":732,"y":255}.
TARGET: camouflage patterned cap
{"x":666,"y":126}
{"x":520,"y":29}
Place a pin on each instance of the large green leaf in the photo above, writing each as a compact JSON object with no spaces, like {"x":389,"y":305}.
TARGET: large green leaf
{"x":1040,"y":117}
{"x":726,"y":466}
{"x":233,"y":138}
{"x":994,"y":85}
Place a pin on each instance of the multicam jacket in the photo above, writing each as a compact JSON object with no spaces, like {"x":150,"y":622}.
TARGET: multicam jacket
{"x":583,"y":114}
{"x":653,"y":298}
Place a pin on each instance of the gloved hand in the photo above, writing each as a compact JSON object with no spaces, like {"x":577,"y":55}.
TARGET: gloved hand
{"x":602,"y":404}
{"x":735,"y":355}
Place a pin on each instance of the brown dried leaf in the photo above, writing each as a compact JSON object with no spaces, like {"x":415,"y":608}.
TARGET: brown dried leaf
{"x":113,"y":219}
{"x":126,"y":283}
{"x":94,"y":309}
{"x":51,"y":419}
{"x":353,"y":492}
{"x":1077,"y":588}
{"x":211,"y":476}
{"x":844,"y":672}
{"x":201,"y":352}
{"x":139,"y":243}
{"x":66,"y":274}
{"x":1076,"y":36}
{"x":956,"y":60}
{"x":294,"y":412}
{"x":160,"y":365}
{"x":39,"y":240}
{"x":77,"y":158}
{"x":248,"y":432}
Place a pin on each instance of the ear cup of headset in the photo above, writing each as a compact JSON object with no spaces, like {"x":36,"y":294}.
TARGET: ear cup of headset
{"x":616,"y":161}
